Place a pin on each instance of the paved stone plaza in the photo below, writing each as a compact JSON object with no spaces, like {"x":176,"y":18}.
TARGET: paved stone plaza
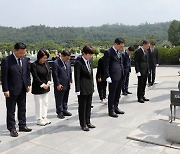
{"x":110,"y":135}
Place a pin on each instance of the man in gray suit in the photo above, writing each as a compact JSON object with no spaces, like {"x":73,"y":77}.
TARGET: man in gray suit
{"x":152,"y":62}
{"x":62,"y":77}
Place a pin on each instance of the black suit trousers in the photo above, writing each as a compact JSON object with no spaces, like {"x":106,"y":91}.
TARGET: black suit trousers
{"x":101,"y":86}
{"x":152,"y":73}
{"x":141,"y":86}
{"x":125,"y":83}
{"x":84,"y":109}
{"x":61,"y":98}
{"x":11,"y":102}
{"x":114,"y":95}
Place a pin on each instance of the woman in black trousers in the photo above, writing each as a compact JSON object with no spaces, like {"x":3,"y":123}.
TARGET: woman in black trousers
{"x":84,"y":87}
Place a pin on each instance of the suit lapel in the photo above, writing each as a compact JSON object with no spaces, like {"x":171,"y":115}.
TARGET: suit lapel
{"x":62,"y":66}
{"x":15,"y":62}
{"x":23,"y":64}
{"x":85,"y":67}
{"x":115,"y":55}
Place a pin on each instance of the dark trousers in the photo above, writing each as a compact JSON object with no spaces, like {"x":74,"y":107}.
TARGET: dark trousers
{"x":141,"y":86}
{"x":114,"y":95}
{"x":84,"y":109}
{"x":125,"y":82}
{"x":101,"y":86}
{"x":11,"y":102}
{"x":61,"y":99}
{"x":152,"y":73}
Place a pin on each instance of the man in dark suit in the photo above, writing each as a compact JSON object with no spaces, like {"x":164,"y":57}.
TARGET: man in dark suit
{"x":127,"y":70}
{"x":101,"y":81}
{"x":62,"y":77}
{"x":153,"y":62}
{"x":114,"y":72}
{"x":142,"y":70}
{"x":15,"y":83}
{"x":84,"y":87}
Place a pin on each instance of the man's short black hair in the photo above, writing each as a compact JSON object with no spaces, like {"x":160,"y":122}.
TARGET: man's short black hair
{"x":88,"y":50}
{"x":144,"y":42}
{"x":66,"y":53}
{"x":131,"y":48}
{"x":19,"y":45}
{"x":152,"y":43}
{"x":119,"y":41}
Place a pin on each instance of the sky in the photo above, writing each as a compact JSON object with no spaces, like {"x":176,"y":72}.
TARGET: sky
{"x":86,"y":13}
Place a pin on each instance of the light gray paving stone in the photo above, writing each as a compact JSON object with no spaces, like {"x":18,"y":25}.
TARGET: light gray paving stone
{"x":37,"y":149}
{"x":21,"y":148}
{"x":127,"y":150}
{"x":53,"y":140}
{"x":155,"y":148}
{"x":171,"y":151}
{"x":74,"y":143}
{"x":96,"y":147}
{"x":54,"y":152}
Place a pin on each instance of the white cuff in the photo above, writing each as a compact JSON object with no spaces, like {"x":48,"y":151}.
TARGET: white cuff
{"x":138,"y":74}
{"x":42,"y":85}
{"x":49,"y":82}
{"x":109,"y":80}
{"x":78,"y":93}
{"x":157,"y":65}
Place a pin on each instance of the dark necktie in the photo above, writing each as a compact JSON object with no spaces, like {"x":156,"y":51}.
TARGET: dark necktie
{"x":19,"y":63}
{"x":65,"y":66}
{"x":89,"y":68}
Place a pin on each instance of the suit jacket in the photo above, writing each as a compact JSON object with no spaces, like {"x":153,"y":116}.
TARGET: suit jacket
{"x":41,"y":74}
{"x":60,"y":74}
{"x":152,"y":57}
{"x":83,"y":78}
{"x":100,"y":70}
{"x":126,"y":62}
{"x":113,"y":65}
{"x":141,"y":63}
{"x":13,"y":78}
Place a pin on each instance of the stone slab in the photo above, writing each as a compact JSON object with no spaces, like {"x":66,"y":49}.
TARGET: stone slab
{"x":173,"y":132}
{"x":155,"y":132}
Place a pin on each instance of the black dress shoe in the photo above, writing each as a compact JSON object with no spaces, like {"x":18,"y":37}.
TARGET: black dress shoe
{"x":66,"y":113}
{"x":140,"y":100}
{"x":60,"y":116}
{"x":145,"y":99}
{"x":92,"y":106}
{"x":113,"y":114}
{"x":124,"y":93}
{"x":150,"y":84}
{"x":128,"y":92}
{"x":119,"y":111}
{"x":25,"y":129}
{"x":13,"y":133}
{"x":91,"y":126}
{"x":85,"y":128}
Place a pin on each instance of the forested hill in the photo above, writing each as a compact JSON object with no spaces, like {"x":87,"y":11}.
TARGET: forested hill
{"x":107,"y":32}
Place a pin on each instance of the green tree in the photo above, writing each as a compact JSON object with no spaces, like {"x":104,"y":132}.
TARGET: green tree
{"x":174,"y":32}
{"x":6,"y":46}
{"x":96,"y":51}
